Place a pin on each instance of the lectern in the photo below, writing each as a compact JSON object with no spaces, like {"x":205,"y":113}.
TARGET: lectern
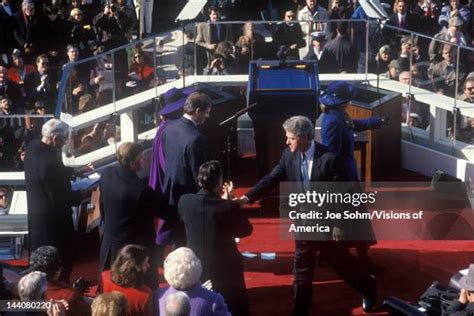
{"x":281,"y":90}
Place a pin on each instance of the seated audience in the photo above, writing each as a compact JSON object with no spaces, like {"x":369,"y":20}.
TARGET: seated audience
{"x":110,"y":304}
{"x":128,"y":277}
{"x":39,"y":85}
{"x":48,"y":260}
{"x":5,"y":198}
{"x":80,"y":33}
{"x":141,"y":69}
{"x":182,"y":271}
{"x":427,"y":11}
{"x":381,"y":61}
{"x":102,"y":79}
{"x":222,"y":63}
{"x":444,"y":74}
{"x":453,"y":34}
{"x":19,"y":70}
{"x":326,"y":60}
{"x":33,"y":286}
{"x":407,"y":51}
{"x":10,"y":89}
{"x":455,"y":8}
{"x":212,"y":222}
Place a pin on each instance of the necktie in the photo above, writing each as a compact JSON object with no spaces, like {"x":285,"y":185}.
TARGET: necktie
{"x":305,"y":173}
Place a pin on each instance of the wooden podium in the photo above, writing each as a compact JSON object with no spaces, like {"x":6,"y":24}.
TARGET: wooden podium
{"x":378,"y":151}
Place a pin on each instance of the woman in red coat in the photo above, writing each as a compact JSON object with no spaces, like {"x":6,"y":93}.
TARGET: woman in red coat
{"x":127,"y":276}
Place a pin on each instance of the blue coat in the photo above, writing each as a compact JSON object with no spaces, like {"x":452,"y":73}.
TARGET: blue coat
{"x":339,"y":137}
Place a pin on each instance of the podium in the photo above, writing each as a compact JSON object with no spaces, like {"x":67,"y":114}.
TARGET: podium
{"x":381,"y":158}
{"x":281,"y":90}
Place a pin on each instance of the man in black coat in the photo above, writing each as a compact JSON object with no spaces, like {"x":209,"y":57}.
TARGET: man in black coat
{"x":347,"y":54}
{"x":303,"y":161}
{"x":126,"y":206}
{"x":326,"y":60}
{"x":49,"y":193}
{"x":212,"y":223}
{"x":289,"y":34}
{"x":185,"y":150}
{"x":40,"y":86}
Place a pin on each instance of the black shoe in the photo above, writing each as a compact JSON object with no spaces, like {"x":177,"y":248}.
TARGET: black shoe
{"x":368,"y":304}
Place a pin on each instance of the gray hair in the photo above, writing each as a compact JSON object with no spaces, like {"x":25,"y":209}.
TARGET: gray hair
{"x":182,"y":268}
{"x":301,"y":126}
{"x":33,"y":286}
{"x":27,"y":3}
{"x":54,"y":127}
{"x":177,"y":304}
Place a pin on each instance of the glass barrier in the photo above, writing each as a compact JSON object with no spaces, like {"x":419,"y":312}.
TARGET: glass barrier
{"x":93,"y":137}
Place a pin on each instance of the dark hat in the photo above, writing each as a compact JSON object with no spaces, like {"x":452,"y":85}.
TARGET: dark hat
{"x":467,"y":281}
{"x":174,"y":99}
{"x":337,"y":93}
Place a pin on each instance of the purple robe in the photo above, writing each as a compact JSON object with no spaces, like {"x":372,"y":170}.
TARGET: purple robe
{"x":157,"y":170}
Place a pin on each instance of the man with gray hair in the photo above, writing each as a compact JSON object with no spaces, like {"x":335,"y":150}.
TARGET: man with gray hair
{"x":49,"y":194}
{"x":177,"y":304}
{"x":306,"y":161}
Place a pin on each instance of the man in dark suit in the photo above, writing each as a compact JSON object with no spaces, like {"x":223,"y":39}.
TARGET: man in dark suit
{"x":212,"y":223}
{"x":185,"y":149}
{"x":39,"y":86}
{"x":49,"y":196}
{"x":347,"y":54}
{"x":326,"y":60}
{"x":210,"y":34}
{"x":289,"y":34}
{"x":126,"y":206}
{"x":303,"y":161}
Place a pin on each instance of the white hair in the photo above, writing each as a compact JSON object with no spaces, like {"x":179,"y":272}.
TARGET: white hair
{"x":177,"y":304}
{"x":27,"y":3}
{"x":182,"y":268}
{"x":33,"y":286}
{"x":54,"y":127}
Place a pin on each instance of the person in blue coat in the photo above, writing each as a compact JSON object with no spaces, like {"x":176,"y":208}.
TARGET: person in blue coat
{"x":337,"y":133}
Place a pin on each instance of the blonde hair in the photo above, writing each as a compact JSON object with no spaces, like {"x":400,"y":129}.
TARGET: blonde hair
{"x":110,"y":304}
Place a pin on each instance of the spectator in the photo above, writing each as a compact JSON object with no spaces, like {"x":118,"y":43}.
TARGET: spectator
{"x":30,"y":31}
{"x":346,"y":53}
{"x":289,"y":34}
{"x":20,"y":158}
{"x":250,"y":46}
{"x":141,"y":69}
{"x":5,"y":199}
{"x":381,"y":61}
{"x":177,"y":304}
{"x":402,"y":18}
{"x":129,"y":12}
{"x":33,"y":286}
{"x":80,"y":34}
{"x":444,"y":74}
{"x":326,"y":60}
{"x":75,"y":88}
{"x":10,"y":89}
{"x":340,"y":9}
{"x":56,"y":39}
{"x":313,"y":12}
{"x":39,"y":85}
{"x":102,"y":78}
{"x":464,"y":305}
{"x":223,"y":63}
{"x":82,"y":69}
{"x":182,"y":271}
{"x":7,"y":27}
{"x":128,"y":277}
{"x":393,"y":70}
{"x":111,"y":25}
{"x":110,"y":304}
{"x":48,"y":260}
{"x":30,"y":130}
{"x":452,"y":34}
{"x":211,"y":33}
{"x":426,"y":12}
{"x":455,"y":8}
{"x":19,"y":70}
{"x":407,"y":52}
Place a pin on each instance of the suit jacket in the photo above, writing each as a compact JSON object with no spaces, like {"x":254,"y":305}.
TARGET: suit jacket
{"x":444,"y":77}
{"x":347,"y":54}
{"x":411,"y":22}
{"x":327,"y":63}
{"x":211,"y":227}
{"x":49,"y":199}
{"x":203,"y":301}
{"x":326,"y":167}
{"x":204,"y":36}
{"x":33,"y":33}
{"x":47,"y":94}
{"x":288,"y":35}
{"x":127,"y":210}
{"x":185,"y":151}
